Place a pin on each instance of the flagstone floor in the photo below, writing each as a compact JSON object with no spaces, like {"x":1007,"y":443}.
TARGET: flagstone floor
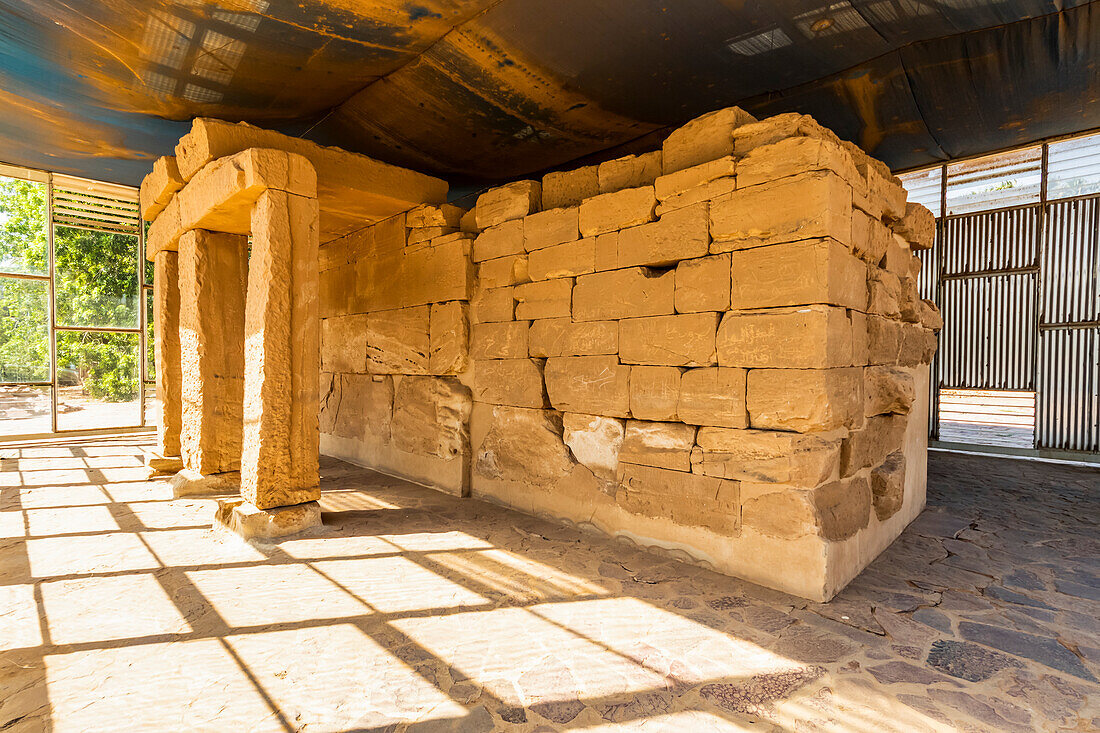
{"x":120,"y":610}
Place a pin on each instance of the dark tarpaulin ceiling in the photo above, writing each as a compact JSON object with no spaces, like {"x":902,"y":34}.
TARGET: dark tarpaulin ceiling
{"x":478,"y":90}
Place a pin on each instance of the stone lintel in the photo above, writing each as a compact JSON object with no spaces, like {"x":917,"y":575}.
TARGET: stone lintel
{"x":158,"y":188}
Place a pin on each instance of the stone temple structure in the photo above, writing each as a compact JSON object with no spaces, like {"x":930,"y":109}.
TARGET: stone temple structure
{"x":715,"y":349}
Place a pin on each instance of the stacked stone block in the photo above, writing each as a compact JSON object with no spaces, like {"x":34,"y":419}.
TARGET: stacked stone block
{"x":721,"y":337}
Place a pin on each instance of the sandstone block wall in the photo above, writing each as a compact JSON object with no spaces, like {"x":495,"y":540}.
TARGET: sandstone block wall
{"x":715,"y":348}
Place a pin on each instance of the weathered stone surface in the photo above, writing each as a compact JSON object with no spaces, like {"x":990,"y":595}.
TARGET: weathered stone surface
{"x":703,"y":284}
{"x":610,"y":211}
{"x":883,"y":340}
{"x":778,"y":127}
{"x":869,"y":446}
{"x":499,"y":340}
{"x":843,"y":507}
{"x":773,"y":457}
{"x":679,"y":340}
{"x":967,"y":661}
{"x":513,"y":382}
{"x":550,"y":227}
{"x":158,"y":188}
{"x":159,"y":463}
{"x":607,"y":251}
{"x":569,"y":188}
{"x":423,"y":236}
{"x":870,"y":237}
{"x":678,"y":235}
{"x":524,"y":446}
{"x":595,"y":442}
{"x":398,"y":341}
{"x":250,"y":522}
{"x":417,"y":277}
{"x":654,"y":392}
{"x":189,"y":482}
{"x":563,"y":260}
{"x":678,"y":182}
{"x":708,"y":137}
{"x":562,"y":337}
{"x":884,"y":293}
{"x":714,"y":396}
{"x":786,"y":514}
{"x":816,"y":271}
{"x":337,"y":287}
{"x":805,"y":400}
{"x":888,"y":485}
{"x":491,"y":305}
{"x":167,"y":355}
{"x":685,"y":498}
{"x":544,"y":299}
{"x":594,"y":385}
{"x":930,"y":317}
{"x":632,"y":171}
{"x":212,"y":272}
{"x":794,"y":156}
{"x":449,"y":338}
{"x":434,"y":215}
{"x":811,"y":205}
{"x":430,"y":417}
{"x":805,"y":337}
{"x":887,"y":389}
{"x":499,"y":241}
{"x":511,"y":201}
{"x":658,"y":444}
{"x":358,"y":406}
{"x":630,"y":293}
{"x":503,"y":271}
{"x":344,"y":343}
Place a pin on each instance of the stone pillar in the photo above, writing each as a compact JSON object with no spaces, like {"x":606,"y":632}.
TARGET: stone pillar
{"x":282,"y":355}
{"x":166,"y":355}
{"x":212,"y":274}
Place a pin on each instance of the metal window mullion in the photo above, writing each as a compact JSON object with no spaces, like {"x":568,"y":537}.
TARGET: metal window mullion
{"x":143,"y":353}
{"x":51,"y":287}
{"x":99,"y":329}
{"x":1037,"y":294}
{"x":24,"y":276}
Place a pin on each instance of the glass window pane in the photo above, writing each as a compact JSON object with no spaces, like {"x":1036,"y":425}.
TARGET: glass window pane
{"x":1073,"y":167}
{"x":97,"y":377}
{"x":23,"y":233}
{"x":24,"y":410}
{"x":96,"y":278}
{"x":150,"y":361}
{"x":995,"y":182}
{"x":152,"y":405}
{"x":24,"y":331}
{"x":924,"y":187}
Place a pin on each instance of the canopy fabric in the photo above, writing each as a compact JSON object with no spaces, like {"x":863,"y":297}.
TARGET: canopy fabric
{"x":481,"y":90}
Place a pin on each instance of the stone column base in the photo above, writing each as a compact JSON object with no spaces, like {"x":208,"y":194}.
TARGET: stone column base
{"x":192,"y":483}
{"x":248,"y":521}
{"x":158,"y":463}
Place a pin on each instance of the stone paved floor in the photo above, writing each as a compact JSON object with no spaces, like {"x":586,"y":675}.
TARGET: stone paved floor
{"x":121,"y":611}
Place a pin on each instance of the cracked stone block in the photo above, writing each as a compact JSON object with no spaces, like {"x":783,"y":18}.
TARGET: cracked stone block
{"x":888,"y":485}
{"x":887,"y":390}
{"x":398,"y":341}
{"x":658,"y":444}
{"x":767,"y":456}
{"x":523,"y":445}
{"x":431,"y":417}
{"x":685,"y":498}
{"x":511,"y":201}
{"x":595,"y":442}
{"x":630,"y":293}
{"x":449,"y":338}
{"x":499,"y":241}
{"x":705,"y":138}
{"x":514,"y":382}
{"x":545,"y":299}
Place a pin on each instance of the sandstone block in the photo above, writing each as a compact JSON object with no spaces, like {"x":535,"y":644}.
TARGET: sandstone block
{"x":658,"y":444}
{"x":884,"y":293}
{"x":917,"y":226}
{"x":468,"y":222}
{"x":503,"y":271}
{"x":806,"y":337}
{"x":771,"y":457}
{"x":705,"y":138}
{"x":430,"y":417}
{"x":594,"y":385}
{"x":630,"y":293}
{"x":816,"y":271}
{"x":499,"y":340}
{"x":544,"y":299}
{"x":550,"y":227}
{"x":449,"y":338}
{"x":843,"y":507}
{"x":610,"y":211}
{"x":499,"y":241}
{"x":714,"y":397}
{"x":513,"y":382}
{"x":678,"y":182}
{"x":511,"y":201}
{"x":344,"y":343}
{"x":595,"y":442}
{"x":336,"y":291}
{"x":607,"y":251}
{"x":776,"y":128}
{"x":887,"y":390}
{"x":860,"y":345}
{"x":250,"y":522}
{"x":679,"y":340}
{"x":793,"y":156}
{"x":167,"y":359}
{"x":522,"y":445}
{"x":158,"y":188}
{"x":918,"y":345}
{"x":880,"y":436}
{"x":434,"y":215}
{"x":569,"y":188}
{"x":888,"y":486}
{"x":423,"y":235}
{"x":410,"y":278}
{"x":632,"y":171}
{"x":562,"y":337}
{"x":563,"y":260}
{"x":654,"y":392}
{"x":805,"y":206}
{"x":787,"y":514}
{"x":398,"y":341}
{"x":358,"y":406}
{"x":870,"y":237}
{"x":897,"y":257}
{"x":685,"y":498}
{"x":703,"y":284}
{"x":886,"y":197}
{"x":930,"y":317}
{"x":492,"y":305}
{"x":678,"y":235}
{"x":719,"y":188}
{"x":805,"y":400}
